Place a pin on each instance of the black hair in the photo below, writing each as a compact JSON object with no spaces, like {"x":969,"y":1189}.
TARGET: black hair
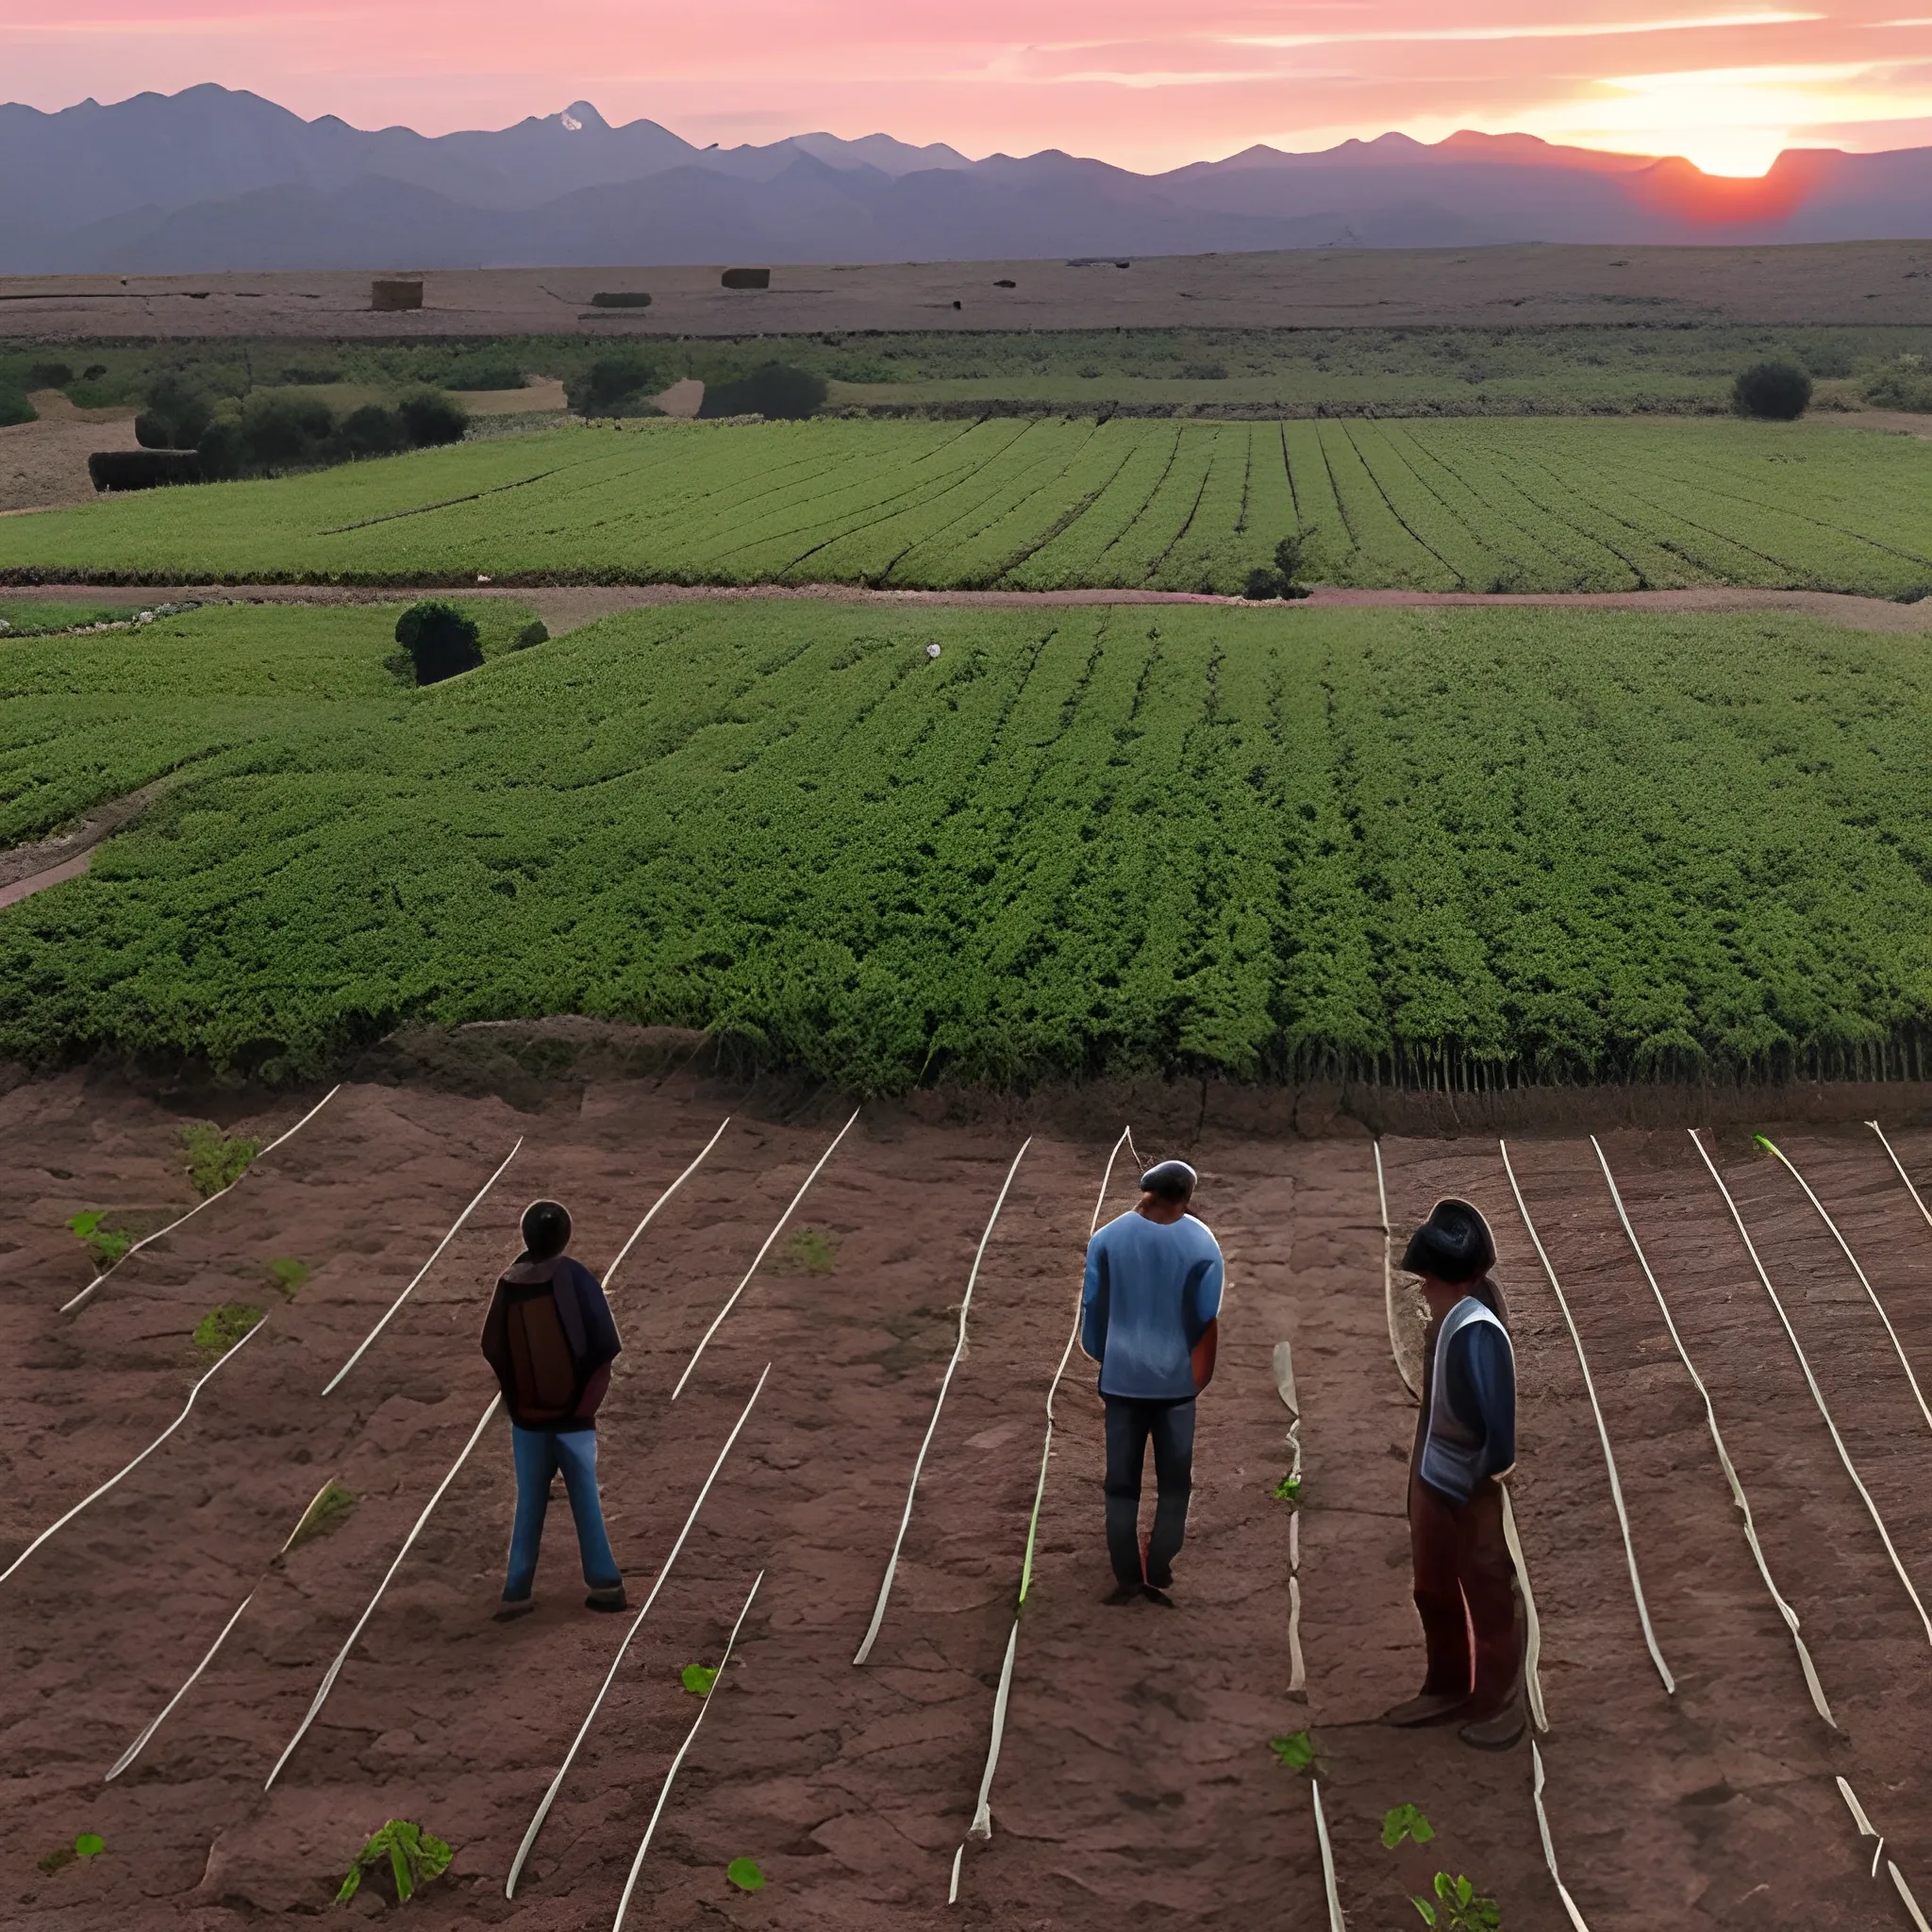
{"x":546,"y":1230}
{"x":1170,"y":1180}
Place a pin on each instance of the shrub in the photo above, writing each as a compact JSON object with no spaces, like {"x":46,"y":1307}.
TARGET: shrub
{"x":484,"y":374}
{"x":1262,"y":582}
{"x":431,"y":417}
{"x":1907,"y":386}
{"x":215,"y":1159}
{"x":372,"y":431}
{"x":613,"y":386}
{"x":14,"y":406}
{"x":441,"y":641}
{"x":50,"y":375}
{"x":777,"y":391}
{"x":535,"y":632}
{"x":143,"y":469}
{"x":1778,"y":391}
{"x":176,"y":414}
{"x":221,"y":1328}
{"x":280,"y":431}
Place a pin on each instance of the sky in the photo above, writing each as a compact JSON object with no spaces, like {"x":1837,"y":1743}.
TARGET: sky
{"x":1148,"y":84}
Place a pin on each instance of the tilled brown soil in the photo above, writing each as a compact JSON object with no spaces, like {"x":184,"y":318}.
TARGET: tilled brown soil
{"x":1136,"y":1784}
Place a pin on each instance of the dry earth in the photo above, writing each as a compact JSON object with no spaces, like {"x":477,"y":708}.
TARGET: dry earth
{"x":43,"y":464}
{"x":1136,"y":1784}
{"x":1855,"y":282}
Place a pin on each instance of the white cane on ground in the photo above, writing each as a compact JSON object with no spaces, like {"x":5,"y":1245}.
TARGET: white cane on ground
{"x":1724,"y":1454}
{"x":1543,"y":1826}
{"x":147,"y":1240}
{"x":1838,"y":1441}
{"x":363,"y":1345}
{"x":1603,"y":1433}
{"x":878,"y":1614}
{"x":1912,"y":1187}
{"x":1284,"y":1386}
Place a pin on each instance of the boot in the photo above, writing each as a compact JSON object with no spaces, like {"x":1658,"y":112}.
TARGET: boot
{"x":1429,"y":1707}
{"x":1498,"y":1732}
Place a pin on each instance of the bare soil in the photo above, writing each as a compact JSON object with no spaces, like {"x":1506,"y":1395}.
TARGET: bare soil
{"x":1136,"y":1783}
{"x":564,"y":606}
{"x":1855,"y":282}
{"x":43,"y":464}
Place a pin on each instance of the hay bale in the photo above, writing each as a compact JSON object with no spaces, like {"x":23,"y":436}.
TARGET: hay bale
{"x":143,"y":469}
{"x":391,"y":295}
{"x":622,"y":298}
{"x":746,"y":278}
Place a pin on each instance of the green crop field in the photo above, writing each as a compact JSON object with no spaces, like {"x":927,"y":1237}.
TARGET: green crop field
{"x":1043,"y":503}
{"x":1519,"y":844}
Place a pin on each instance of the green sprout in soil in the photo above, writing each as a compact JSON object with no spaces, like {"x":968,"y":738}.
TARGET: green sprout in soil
{"x":744,"y":1874}
{"x":1288,"y":1491}
{"x":1296,"y":1752}
{"x":89,"y":1845}
{"x":106,"y":1244}
{"x":332,"y":1502}
{"x":288,"y":1273}
{"x":215,"y":1159}
{"x":415,"y":1856}
{"x":1402,"y":1822}
{"x":698,"y":1679}
{"x":221,"y":1328}
{"x":811,"y":1249}
{"x":1459,"y":1908}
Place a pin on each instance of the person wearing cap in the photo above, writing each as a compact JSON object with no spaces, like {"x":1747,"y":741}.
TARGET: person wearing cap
{"x":550,"y":1337}
{"x":1148,"y":1310}
{"x":1465,"y":1447}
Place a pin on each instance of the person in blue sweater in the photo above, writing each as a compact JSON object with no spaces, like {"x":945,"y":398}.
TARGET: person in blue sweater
{"x":1147,"y":1314}
{"x":1465,"y":1446}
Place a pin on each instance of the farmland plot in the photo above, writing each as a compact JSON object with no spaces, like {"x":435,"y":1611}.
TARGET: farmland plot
{"x":1047,"y":504}
{"x":1460,"y":846}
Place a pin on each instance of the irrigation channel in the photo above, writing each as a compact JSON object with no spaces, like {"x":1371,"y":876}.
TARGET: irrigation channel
{"x":1134,"y":1777}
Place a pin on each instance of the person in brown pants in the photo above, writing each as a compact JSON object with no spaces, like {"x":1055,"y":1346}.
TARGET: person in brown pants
{"x":1465,"y":1446}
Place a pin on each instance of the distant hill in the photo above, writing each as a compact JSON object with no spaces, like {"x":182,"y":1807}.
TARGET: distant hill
{"x":212,"y":179}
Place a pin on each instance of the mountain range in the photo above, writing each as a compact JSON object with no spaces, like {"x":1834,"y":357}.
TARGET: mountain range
{"x":212,"y":178}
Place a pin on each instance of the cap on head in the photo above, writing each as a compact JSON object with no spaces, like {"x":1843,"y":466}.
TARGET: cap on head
{"x":546,"y":1230}
{"x":1170,"y":1180}
{"x":1453,"y":1244}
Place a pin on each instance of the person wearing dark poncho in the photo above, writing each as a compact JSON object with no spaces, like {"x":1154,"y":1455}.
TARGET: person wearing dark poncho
{"x":1465,"y":1448}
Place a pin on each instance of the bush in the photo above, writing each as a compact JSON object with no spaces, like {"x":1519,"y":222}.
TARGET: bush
{"x":430,"y":416}
{"x":613,"y":386}
{"x":50,"y":375}
{"x":535,"y":632}
{"x":441,"y":641}
{"x":372,"y":431}
{"x":1777,"y":391}
{"x":777,"y":391}
{"x":1262,"y":583}
{"x":1906,"y":386}
{"x":483,"y":374}
{"x":175,"y":416}
{"x":14,"y":406}
{"x":143,"y":469}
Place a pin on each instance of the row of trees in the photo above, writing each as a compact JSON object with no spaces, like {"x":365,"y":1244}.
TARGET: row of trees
{"x":271,"y":431}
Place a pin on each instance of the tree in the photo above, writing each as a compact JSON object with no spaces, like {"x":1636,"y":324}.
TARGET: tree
{"x":1779,"y":392}
{"x":441,"y":642}
{"x":776,"y":390}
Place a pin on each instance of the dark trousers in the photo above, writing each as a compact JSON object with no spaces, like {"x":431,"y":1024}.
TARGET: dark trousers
{"x":1465,"y":1590}
{"x":1129,"y":1425}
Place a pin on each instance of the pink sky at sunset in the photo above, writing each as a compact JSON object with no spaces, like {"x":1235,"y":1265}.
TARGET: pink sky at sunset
{"x":1145,"y":83}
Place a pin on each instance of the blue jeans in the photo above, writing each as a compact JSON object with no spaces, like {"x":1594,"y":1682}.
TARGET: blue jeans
{"x":1130,"y":1425}
{"x":539,"y":1455}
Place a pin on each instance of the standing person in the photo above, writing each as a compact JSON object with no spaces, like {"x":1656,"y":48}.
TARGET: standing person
{"x":1465,"y":1447}
{"x":550,"y":1338}
{"x":1148,"y":1310}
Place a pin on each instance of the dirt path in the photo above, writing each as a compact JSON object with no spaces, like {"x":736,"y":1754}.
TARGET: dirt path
{"x":564,"y":608}
{"x":1136,"y":1783}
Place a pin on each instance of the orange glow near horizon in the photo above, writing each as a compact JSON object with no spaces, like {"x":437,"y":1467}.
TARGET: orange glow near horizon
{"x":1143,"y":83}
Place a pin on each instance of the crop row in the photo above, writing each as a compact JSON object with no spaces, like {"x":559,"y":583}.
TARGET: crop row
{"x":1470,"y":505}
{"x":1421,"y":844}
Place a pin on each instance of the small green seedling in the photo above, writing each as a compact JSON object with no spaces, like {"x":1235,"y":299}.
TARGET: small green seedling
{"x":215,"y":1159}
{"x":106,"y":1244}
{"x":744,"y":1874}
{"x":698,"y":1679}
{"x":1296,"y":1752}
{"x":811,"y":1249}
{"x":221,"y":1328}
{"x":415,"y":1856}
{"x":1288,"y":1489}
{"x":288,"y":1273}
{"x":1459,"y":1908}
{"x":88,"y":1845}
{"x":332,"y":1502}
{"x":1402,"y":1822}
